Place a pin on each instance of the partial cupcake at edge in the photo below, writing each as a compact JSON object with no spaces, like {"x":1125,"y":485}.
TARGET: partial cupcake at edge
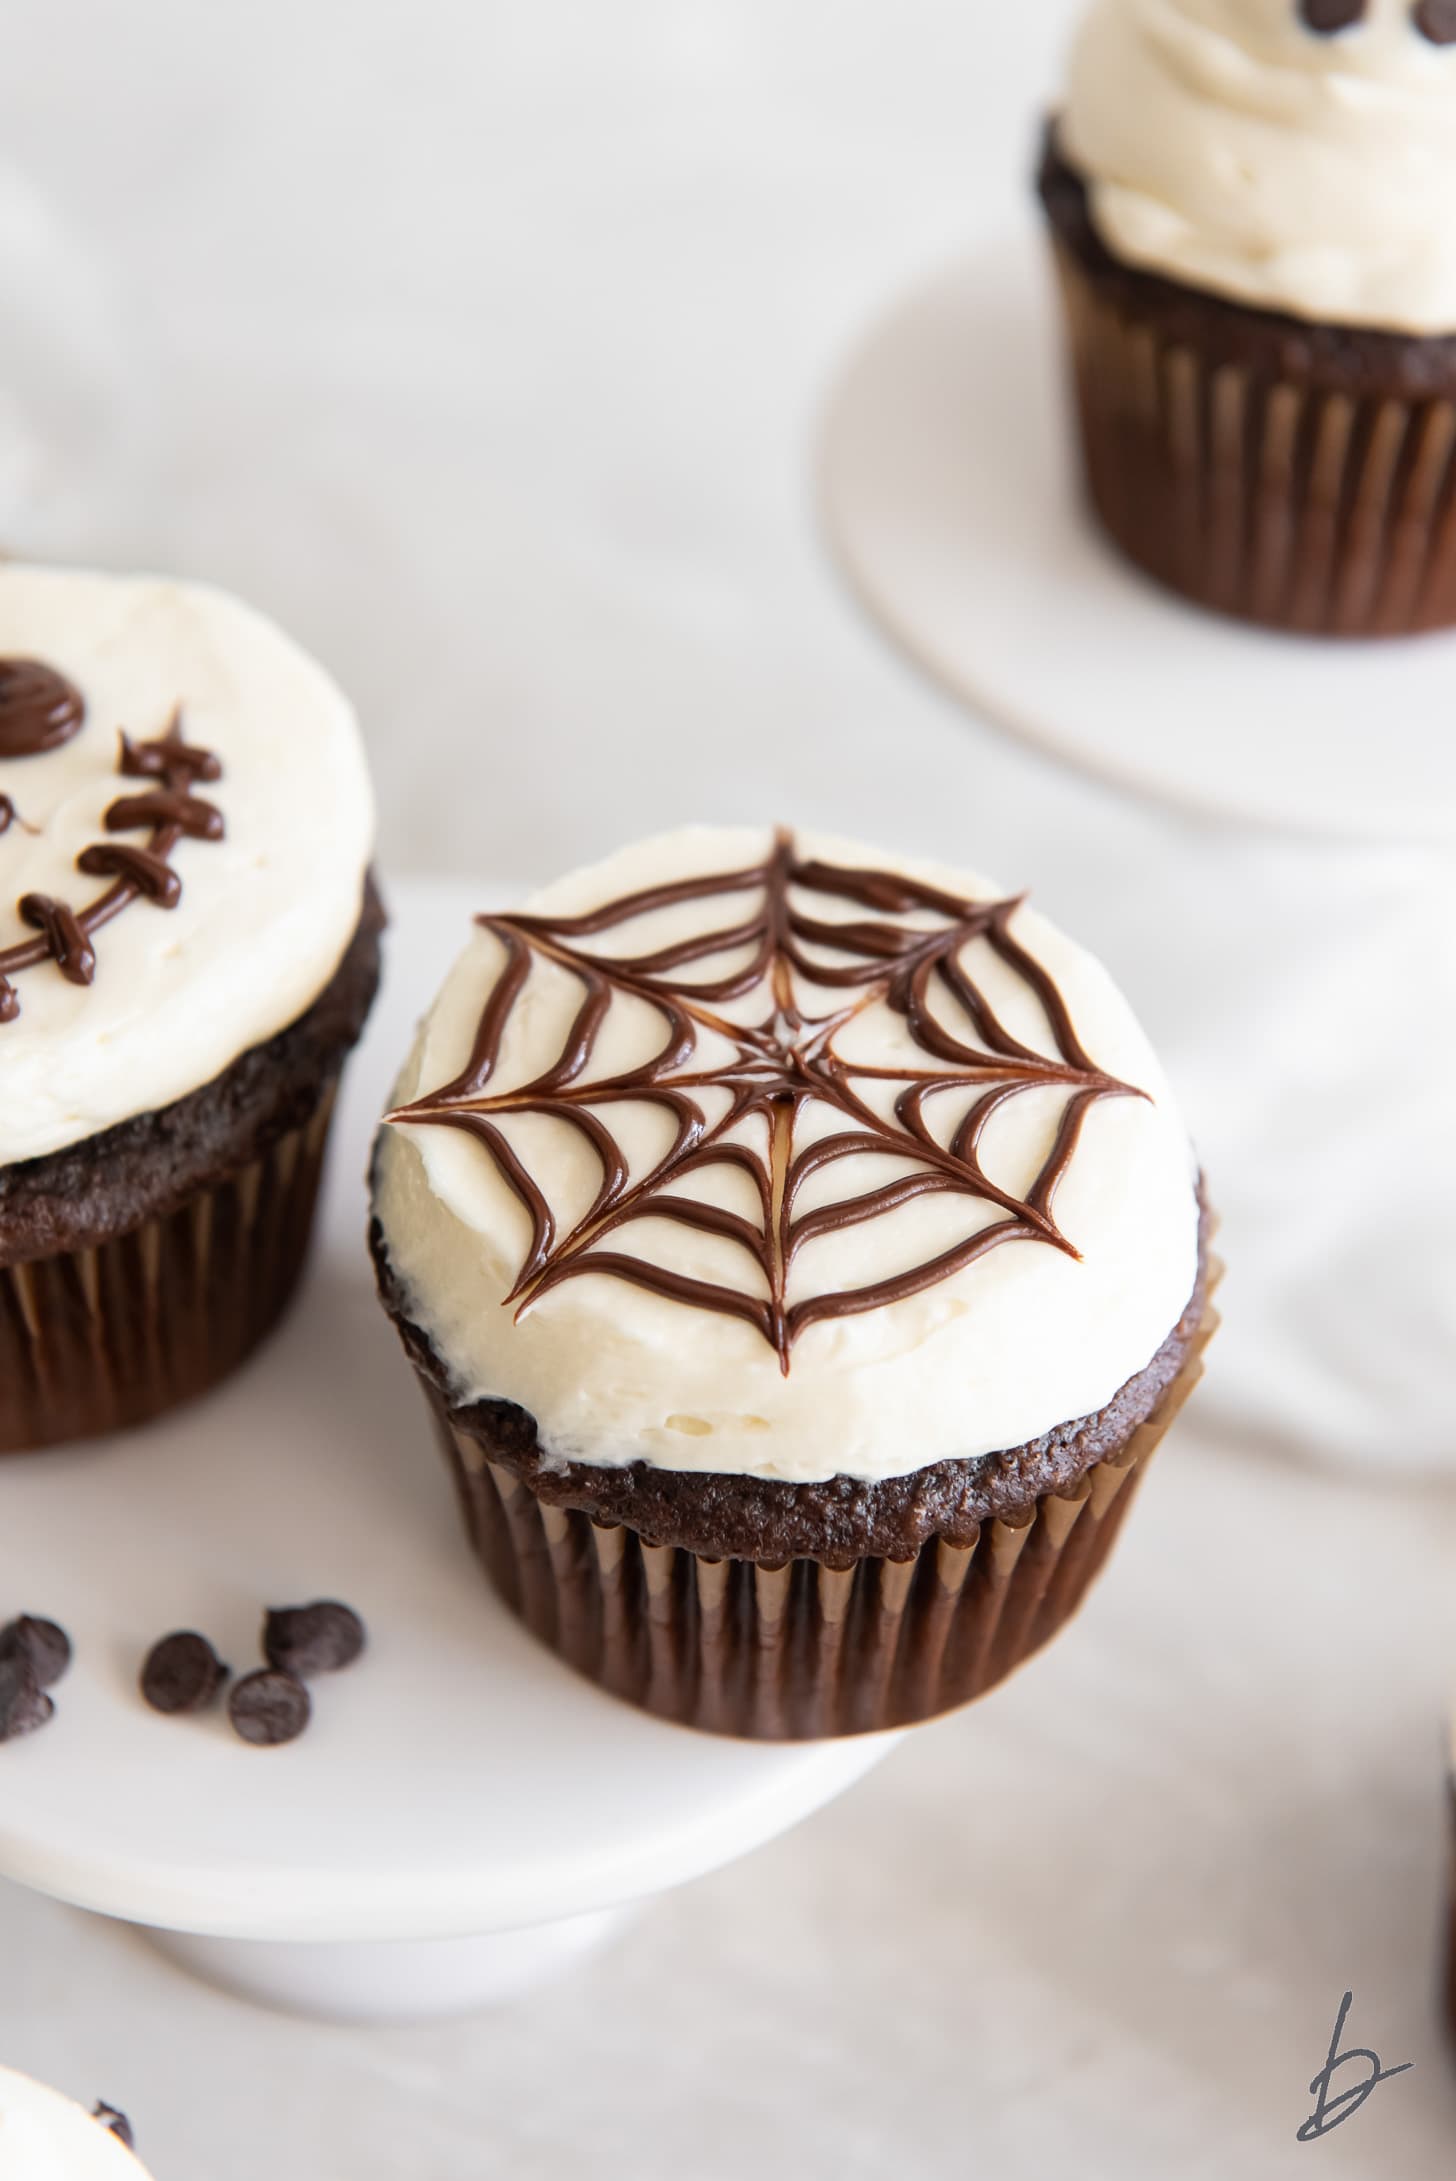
{"x":45,"y":2137}
{"x":1448,"y":1959}
{"x":189,"y":941}
{"x":801,"y":1255}
{"x":1250,"y":203}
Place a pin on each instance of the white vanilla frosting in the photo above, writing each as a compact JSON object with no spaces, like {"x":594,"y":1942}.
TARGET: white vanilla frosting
{"x":1231,"y":147}
{"x":44,"y":2137}
{"x":265,"y":913}
{"x":1023,"y":1338}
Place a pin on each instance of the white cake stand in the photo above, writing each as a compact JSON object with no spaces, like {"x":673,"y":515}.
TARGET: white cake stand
{"x":465,"y":1816}
{"x":949,"y":494}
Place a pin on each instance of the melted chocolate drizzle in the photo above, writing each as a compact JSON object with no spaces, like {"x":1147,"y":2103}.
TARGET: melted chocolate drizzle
{"x":39,"y":709}
{"x":168,"y":813}
{"x":785,"y":1064}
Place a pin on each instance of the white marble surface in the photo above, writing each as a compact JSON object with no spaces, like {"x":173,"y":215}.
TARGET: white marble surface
{"x":483,"y":344}
{"x":1097,"y":1926}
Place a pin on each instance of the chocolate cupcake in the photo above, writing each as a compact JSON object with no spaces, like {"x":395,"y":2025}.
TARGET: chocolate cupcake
{"x":44,"y":2137}
{"x":188,"y":950}
{"x":801,"y":1256}
{"x":1250,"y":206}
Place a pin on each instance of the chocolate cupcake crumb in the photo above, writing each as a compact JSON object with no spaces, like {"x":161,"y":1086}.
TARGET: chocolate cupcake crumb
{"x":268,"y":1708}
{"x":182,"y":1673}
{"x":112,"y":2118}
{"x":312,"y":1639}
{"x":43,"y":1644}
{"x":24,"y":1705}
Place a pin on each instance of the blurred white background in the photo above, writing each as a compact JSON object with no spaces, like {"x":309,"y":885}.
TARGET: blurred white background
{"x":482,"y":344}
{"x":482,"y":341}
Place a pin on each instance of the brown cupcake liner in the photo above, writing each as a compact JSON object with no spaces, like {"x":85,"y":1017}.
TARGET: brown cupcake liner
{"x":1282,"y":501}
{"x":798,"y":1651}
{"x":94,"y":1340}
{"x":1448,"y":1988}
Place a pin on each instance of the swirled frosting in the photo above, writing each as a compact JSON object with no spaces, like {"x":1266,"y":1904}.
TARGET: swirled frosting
{"x":1232,"y":145}
{"x":757,"y":1153}
{"x":44,"y":2137}
{"x":185,"y":826}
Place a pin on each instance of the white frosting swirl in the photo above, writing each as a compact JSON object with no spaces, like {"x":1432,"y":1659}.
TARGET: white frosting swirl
{"x":1018,"y":1341}
{"x":265,"y":914}
{"x":1229,"y":146}
{"x":44,"y":2137}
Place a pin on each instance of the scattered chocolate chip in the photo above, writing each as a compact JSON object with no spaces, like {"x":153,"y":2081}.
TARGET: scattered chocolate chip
{"x":268,"y":1707}
{"x":1329,"y":16}
{"x":312,"y":1639}
{"x":1436,"y":20}
{"x":24,"y":1705}
{"x":182,"y":1673}
{"x":46,"y":1647}
{"x":110,"y":2117}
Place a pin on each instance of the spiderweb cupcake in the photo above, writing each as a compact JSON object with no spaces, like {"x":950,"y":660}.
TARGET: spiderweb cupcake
{"x":801,"y":1255}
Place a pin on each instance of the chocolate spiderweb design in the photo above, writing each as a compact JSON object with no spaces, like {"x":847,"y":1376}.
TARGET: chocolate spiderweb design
{"x":902,"y":951}
{"x":167,"y":811}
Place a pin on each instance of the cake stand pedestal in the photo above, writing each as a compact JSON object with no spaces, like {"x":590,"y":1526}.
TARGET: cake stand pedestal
{"x":392,"y":1980}
{"x":1283,"y":923}
{"x":465,"y":1816}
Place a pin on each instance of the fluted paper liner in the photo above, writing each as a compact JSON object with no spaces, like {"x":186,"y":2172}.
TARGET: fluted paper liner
{"x":94,"y":1340}
{"x":1449,"y":1984}
{"x":799,"y":1651}
{"x":1286,"y":503}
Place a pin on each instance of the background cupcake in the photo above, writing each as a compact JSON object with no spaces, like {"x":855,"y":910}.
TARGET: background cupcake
{"x":1250,"y":205}
{"x":800,"y":1254}
{"x":188,"y":949}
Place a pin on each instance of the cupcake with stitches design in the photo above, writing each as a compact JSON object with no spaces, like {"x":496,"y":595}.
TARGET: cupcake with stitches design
{"x":188,"y":950}
{"x":801,"y":1255}
{"x":1250,"y":205}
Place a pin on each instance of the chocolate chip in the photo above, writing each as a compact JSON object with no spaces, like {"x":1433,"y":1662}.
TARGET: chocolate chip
{"x":110,"y":2117}
{"x":42,"y":1644}
{"x":182,"y":1673}
{"x":312,"y":1639}
{"x":1436,"y":20}
{"x":1329,"y":16}
{"x":24,"y":1705}
{"x":268,"y":1708}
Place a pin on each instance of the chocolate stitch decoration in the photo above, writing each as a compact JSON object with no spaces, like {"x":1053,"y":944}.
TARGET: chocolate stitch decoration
{"x":39,"y":709}
{"x":169,"y":812}
{"x":785,"y":1066}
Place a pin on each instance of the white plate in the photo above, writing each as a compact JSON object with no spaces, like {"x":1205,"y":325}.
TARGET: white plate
{"x":949,"y":491}
{"x":459,"y":1780}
